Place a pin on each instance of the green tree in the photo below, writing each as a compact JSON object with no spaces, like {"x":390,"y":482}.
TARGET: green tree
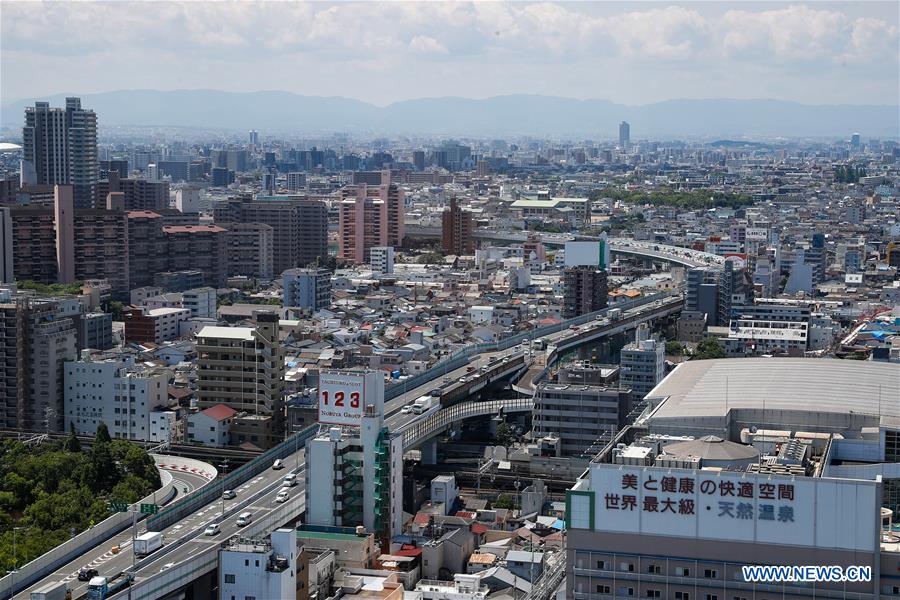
{"x":709,"y":348}
{"x":504,"y":501}
{"x":674,"y":348}
{"x":102,"y":435}
{"x":72,"y":443}
{"x":506,"y":435}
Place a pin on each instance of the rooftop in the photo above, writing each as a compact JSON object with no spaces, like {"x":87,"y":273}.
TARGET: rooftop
{"x":234,"y":333}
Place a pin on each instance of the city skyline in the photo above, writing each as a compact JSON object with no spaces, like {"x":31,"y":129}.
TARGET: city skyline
{"x":817,"y":53}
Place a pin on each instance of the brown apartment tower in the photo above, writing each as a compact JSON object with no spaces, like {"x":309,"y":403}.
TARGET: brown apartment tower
{"x":457,"y":230}
{"x":369,"y":216}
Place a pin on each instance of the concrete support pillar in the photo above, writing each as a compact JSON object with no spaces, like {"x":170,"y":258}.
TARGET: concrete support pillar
{"x":429,"y":452}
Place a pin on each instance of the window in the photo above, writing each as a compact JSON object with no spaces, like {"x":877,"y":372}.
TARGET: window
{"x":740,"y":598}
{"x":682,"y":596}
{"x":602,"y":589}
{"x":257,"y":563}
{"x":249,"y":597}
{"x":602,"y":565}
{"x":229,"y":578}
{"x":712,"y":597}
{"x":710,"y":573}
{"x":682,"y":572}
{"x":653,"y":594}
{"x":653,"y":569}
{"x":246,"y":562}
{"x":625,"y":591}
{"x":627,"y":567}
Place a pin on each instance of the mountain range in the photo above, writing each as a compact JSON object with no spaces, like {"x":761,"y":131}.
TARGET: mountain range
{"x":278,"y":111}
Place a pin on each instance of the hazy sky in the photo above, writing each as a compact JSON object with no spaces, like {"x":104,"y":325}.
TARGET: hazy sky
{"x":635,"y":53}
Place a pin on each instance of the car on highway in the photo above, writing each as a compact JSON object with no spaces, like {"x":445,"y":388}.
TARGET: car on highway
{"x":244,"y":519}
{"x":166,"y":567}
{"x":283,"y":496}
{"x":85,"y":573}
{"x":289,"y":480}
{"x":436,"y":392}
{"x":406,"y":409}
{"x":212,"y":529}
{"x":228,"y":494}
{"x":278,"y":464}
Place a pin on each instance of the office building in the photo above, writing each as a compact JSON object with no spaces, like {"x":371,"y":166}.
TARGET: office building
{"x":175,"y":170}
{"x":735,"y":289}
{"x":243,"y":368}
{"x":154,"y":325}
{"x":179,"y":281}
{"x":59,"y":146}
{"x":418,"y":159}
{"x":119,"y":165}
{"x":703,"y":293}
{"x":260,"y":568}
{"x":583,"y":417}
{"x":792,"y":467}
{"x":354,"y":471}
{"x":187,"y":199}
{"x":221,"y":177}
{"x":369,"y":216}
{"x":94,"y":331}
{"x":200,"y":301}
{"x":307,"y":288}
{"x":382,"y":259}
{"x":299,"y":226}
{"x":584,"y":291}
{"x":6,"y":246}
{"x":624,"y":135}
{"x":457,"y":230}
{"x":118,"y":392}
{"x":250,"y":249}
{"x":643,"y":363}
{"x":295,"y":182}
{"x":37,"y":336}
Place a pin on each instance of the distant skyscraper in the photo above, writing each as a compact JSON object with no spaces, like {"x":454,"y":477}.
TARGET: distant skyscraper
{"x":419,"y":160}
{"x":59,"y":146}
{"x":854,"y":141}
{"x":624,"y":134}
{"x":254,"y":137}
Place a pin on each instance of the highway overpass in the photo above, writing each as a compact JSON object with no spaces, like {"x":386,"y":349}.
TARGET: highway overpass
{"x":628,"y":246}
{"x":189,"y":555}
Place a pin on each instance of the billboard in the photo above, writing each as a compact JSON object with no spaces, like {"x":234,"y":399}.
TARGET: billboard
{"x":733,"y":506}
{"x":757,"y":234}
{"x":592,"y":254}
{"x":344,"y":395}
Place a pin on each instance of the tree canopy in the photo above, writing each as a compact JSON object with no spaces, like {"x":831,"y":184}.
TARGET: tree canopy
{"x":709,"y":348}
{"x":702,"y":199}
{"x":55,"y":489}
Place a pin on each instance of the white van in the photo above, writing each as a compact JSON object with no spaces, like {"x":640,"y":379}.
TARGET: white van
{"x":283,"y":496}
{"x":290,"y":480}
{"x":244,"y":519}
{"x":277,"y":464}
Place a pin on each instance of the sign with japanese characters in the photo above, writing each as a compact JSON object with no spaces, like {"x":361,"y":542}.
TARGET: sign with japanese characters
{"x":732,"y":505}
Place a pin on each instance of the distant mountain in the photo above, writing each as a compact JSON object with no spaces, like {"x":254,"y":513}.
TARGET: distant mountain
{"x":501,"y":115}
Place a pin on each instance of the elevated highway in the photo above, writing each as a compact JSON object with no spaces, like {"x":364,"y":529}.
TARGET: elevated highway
{"x":188,"y":555}
{"x":685,"y":257}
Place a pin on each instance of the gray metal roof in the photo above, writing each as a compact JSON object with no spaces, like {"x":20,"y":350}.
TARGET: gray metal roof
{"x":713,"y":387}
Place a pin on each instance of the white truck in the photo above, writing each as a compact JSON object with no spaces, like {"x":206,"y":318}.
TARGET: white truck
{"x":422,"y":404}
{"x":614,"y":314}
{"x":52,"y":591}
{"x":147,"y":543}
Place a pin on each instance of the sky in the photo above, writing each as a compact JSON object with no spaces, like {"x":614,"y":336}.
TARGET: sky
{"x":632,"y":53}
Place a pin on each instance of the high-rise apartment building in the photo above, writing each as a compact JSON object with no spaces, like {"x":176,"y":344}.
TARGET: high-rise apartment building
{"x":381,"y":259}
{"x":584,"y":291}
{"x":643,"y":363}
{"x":703,"y":293}
{"x":6,"y":246}
{"x":299,"y":226}
{"x":624,"y":135}
{"x":250,"y":250}
{"x":735,"y":289}
{"x":59,"y":146}
{"x":139,"y":194}
{"x":37,"y":336}
{"x":243,"y":368}
{"x":369,"y":216}
{"x":307,"y":288}
{"x":200,"y":247}
{"x":456,"y":230}
{"x":101,"y":248}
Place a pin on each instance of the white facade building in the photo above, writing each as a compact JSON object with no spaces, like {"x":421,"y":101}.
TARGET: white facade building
{"x":200,"y":301}
{"x":187,"y":199}
{"x":261,"y":569}
{"x":643,"y":364}
{"x":131,"y":399}
{"x":381,"y":259}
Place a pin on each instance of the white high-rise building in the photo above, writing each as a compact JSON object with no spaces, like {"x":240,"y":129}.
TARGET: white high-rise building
{"x":187,"y":199}
{"x":354,"y":472}
{"x":643,"y":363}
{"x":382,"y":259}
{"x":124,"y":395}
{"x":261,"y":569}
